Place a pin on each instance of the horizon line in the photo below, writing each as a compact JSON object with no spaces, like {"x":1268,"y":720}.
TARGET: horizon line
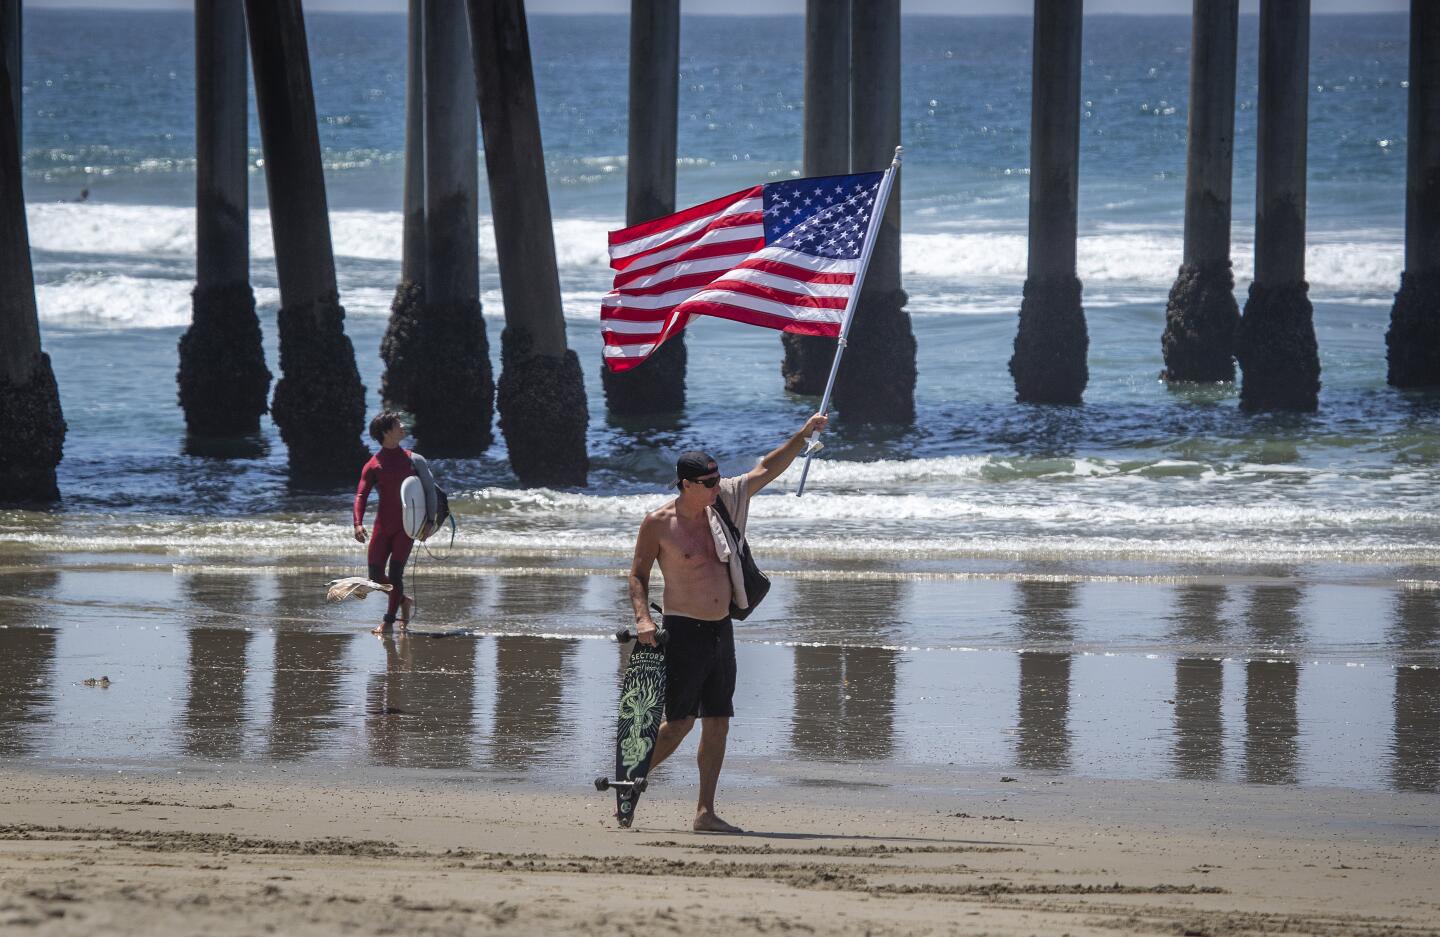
{"x":112,"y":8}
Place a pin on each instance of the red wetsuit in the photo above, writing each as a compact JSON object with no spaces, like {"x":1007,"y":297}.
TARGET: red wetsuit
{"x":386,"y":470}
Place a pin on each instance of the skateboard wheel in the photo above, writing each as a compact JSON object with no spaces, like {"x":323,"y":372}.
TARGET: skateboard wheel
{"x":640,"y":784}
{"x":602,"y":784}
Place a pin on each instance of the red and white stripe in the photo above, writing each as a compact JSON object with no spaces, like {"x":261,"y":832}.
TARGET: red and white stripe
{"x":711,"y":260}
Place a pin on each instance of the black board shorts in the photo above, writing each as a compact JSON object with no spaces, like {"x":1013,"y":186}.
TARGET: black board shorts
{"x":699,"y":668}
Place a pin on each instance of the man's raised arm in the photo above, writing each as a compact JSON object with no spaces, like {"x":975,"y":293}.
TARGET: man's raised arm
{"x":779,"y":460}
{"x":647,"y":551}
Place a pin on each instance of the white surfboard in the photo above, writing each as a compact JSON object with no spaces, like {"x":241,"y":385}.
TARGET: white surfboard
{"x":412,"y":507}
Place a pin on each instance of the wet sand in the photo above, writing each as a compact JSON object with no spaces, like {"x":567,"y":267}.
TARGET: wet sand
{"x":1035,"y":755}
{"x":272,"y":851}
{"x":1269,"y":680}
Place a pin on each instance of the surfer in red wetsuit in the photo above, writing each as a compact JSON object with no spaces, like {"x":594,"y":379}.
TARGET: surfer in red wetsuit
{"x":389,"y":544}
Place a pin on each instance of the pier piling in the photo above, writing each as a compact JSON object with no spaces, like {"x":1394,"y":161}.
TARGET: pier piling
{"x":438,"y":363}
{"x":1201,"y":316}
{"x":658,"y":385}
{"x":409,"y":298}
{"x":319,"y":401}
{"x":223,"y":380}
{"x":1275,"y":343}
{"x":29,"y":398}
{"x":826,"y":153}
{"x":1049,"y":364}
{"x":12,"y":20}
{"x":876,"y":380}
{"x":1413,"y":342}
{"x":542,"y":388}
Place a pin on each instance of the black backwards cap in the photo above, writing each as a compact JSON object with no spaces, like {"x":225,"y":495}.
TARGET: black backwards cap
{"x":692,"y":465}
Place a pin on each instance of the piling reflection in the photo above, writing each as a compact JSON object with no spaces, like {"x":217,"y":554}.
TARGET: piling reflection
{"x":1199,"y":751}
{"x":420,"y":711}
{"x":530,"y":677}
{"x":1043,"y":618}
{"x":1272,"y":685}
{"x":525,"y":602}
{"x":442,"y":603}
{"x":1415,"y":627}
{"x":27,"y":679}
{"x":530,"y":672}
{"x":307,"y":697}
{"x":27,"y":664}
{"x":1415,"y":744}
{"x":213,"y":724}
{"x":844,"y":696}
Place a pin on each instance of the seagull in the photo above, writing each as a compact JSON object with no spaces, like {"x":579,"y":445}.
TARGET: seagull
{"x":357,"y":586}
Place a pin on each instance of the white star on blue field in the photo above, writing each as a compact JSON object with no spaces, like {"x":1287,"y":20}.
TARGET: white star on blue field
{"x":825,"y":216}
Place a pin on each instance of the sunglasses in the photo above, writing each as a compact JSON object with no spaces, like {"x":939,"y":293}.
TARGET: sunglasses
{"x":710,"y":482}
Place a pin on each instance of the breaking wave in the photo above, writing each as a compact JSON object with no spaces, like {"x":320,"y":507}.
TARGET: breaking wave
{"x":131,"y":266}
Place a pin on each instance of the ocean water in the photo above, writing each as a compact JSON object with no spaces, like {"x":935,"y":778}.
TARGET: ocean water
{"x":1138,"y":474}
{"x":1257,"y":593}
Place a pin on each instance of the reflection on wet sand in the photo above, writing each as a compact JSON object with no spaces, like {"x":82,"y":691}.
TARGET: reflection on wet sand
{"x":1272,"y":725}
{"x":27,"y":677}
{"x":1199,"y":683}
{"x":1415,"y":746}
{"x":529,"y":683}
{"x":306,"y":696}
{"x":844,"y":696}
{"x":420,"y":711}
{"x":530,"y":672}
{"x":1043,"y":616}
{"x":321,"y":686}
{"x":521,"y":599}
{"x":444,"y":604}
{"x":215,"y":707}
{"x":27,"y":666}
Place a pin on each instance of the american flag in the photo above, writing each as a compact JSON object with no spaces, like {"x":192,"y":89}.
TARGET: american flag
{"x":784,"y":255}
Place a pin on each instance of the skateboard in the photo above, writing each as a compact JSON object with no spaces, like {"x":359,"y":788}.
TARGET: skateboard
{"x":642,"y":705}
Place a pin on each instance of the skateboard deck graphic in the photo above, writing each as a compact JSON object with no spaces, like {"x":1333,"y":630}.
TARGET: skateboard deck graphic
{"x":642,"y":705}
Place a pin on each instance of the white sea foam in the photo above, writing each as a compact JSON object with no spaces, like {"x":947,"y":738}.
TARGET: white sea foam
{"x":1161,"y":510}
{"x":1360,"y":263}
{"x":169,"y":231}
{"x":188,"y":540}
{"x":103,"y":301}
{"x":1091,"y":511}
{"x":146,"y":254}
{"x":1366,"y":264}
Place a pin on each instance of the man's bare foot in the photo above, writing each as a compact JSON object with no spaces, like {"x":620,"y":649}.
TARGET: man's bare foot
{"x":382,"y":628}
{"x":707,"y":822}
{"x":407,"y":605}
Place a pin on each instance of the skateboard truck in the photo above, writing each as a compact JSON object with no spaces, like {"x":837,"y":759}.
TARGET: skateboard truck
{"x":625,"y":635}
{"x":638,"y":785}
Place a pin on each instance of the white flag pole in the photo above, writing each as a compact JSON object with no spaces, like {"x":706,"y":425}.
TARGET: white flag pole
{"x":872,"y":231}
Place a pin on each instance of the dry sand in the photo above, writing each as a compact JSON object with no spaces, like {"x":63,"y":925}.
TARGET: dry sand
{"x":281,"y":852}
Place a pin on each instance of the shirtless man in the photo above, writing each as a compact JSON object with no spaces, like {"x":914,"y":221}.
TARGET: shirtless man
{"x":695,"y":554}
